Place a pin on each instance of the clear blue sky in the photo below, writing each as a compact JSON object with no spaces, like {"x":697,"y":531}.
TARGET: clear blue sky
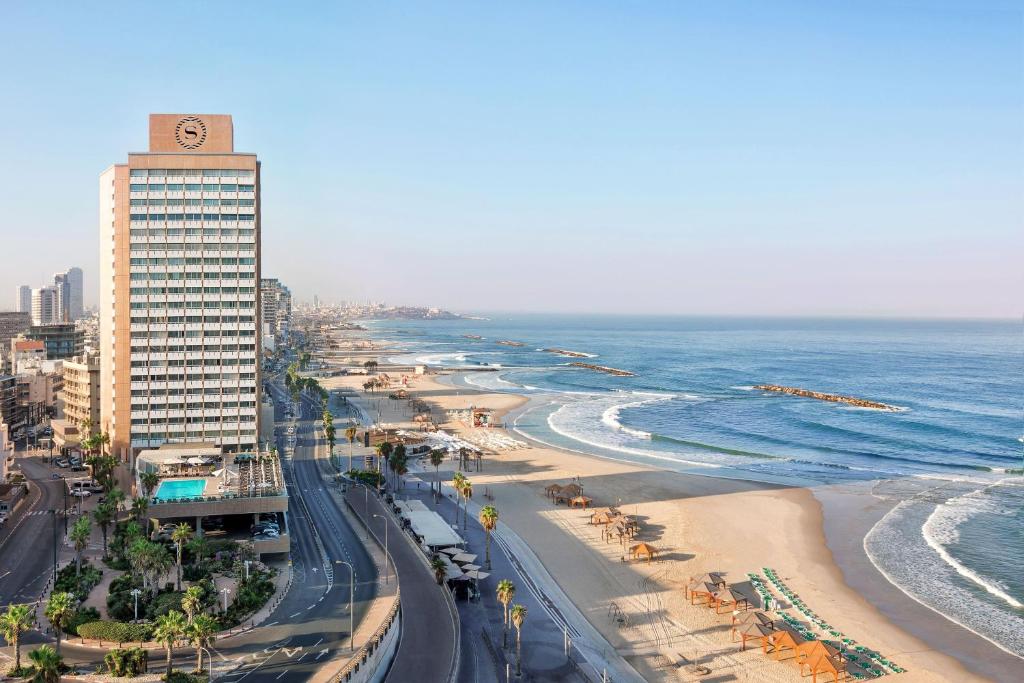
{"x":773,"y":158}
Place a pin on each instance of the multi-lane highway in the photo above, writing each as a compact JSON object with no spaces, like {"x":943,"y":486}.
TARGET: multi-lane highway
{"x":307,"y":630}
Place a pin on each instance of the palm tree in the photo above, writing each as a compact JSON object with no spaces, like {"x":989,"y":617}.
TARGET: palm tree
{"x":192,"y":602}
{"x":518,"y":616}
{"x":104,"y":515}
{"x":488,"y":520}
{"x":350,"y":434}
{"x":15,"y":621}
{"x":139,"y":507}
{"x":201,"y":633}
{"x":458,"y":479}
{"x":115,"y":497}
{"x":169,"y":629}
{"x":149,"y":480}
{"x":440,"y":569}
{"x":436,"y":458}
{"x":200,"y":547}
{"x":467,"y":493}
{"x":80,"y":532}
{"x":47,"y":663}
{"x":384,"y":451}
{"x":181,"y":534}
{"x":59,"y":610}
{"x":506,"y":591}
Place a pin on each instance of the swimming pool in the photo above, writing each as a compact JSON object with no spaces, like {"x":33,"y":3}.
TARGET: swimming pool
{"x":180,"y":488}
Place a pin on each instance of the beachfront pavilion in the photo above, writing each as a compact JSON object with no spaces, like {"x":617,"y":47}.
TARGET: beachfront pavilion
{"x":818,"y":657}
{"x":581,"y":501}
{"x":551,"y":490}
{"x":643,"y":550}
{"x":567,"y":493}
{"x":729,"y":597}
{"x":602,"y":517}
{"x":700,"y":582}
{"x":705,"y":592}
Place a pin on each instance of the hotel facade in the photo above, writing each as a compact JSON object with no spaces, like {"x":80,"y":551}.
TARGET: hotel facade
{"x":179,"y":290}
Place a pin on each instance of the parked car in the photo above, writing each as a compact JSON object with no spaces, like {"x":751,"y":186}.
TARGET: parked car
{"x":81,"y":493}
{"x":62,"y":463}
{"x":77,"y":468}
{"x":266,"y":535}
{"x":264,"y":528}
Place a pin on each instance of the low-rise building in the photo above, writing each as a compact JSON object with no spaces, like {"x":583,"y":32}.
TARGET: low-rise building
{"x":198,"y":482}
{"x":12,"y":323}
{"x":62,"y":341}
{"x":79,"y":401}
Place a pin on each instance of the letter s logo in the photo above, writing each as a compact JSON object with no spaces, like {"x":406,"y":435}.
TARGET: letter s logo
{"x":191,"y":132}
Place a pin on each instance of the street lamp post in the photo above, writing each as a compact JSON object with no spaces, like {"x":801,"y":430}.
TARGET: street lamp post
{"x":225,"y":592}
{"x":387,"y":556}
{"x":247,"y":562}
{"x":351,"y":604}
{"x":135,"y":594}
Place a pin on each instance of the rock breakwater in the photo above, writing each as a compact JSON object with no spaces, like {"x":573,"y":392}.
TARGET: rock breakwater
{"x":603,"y":368}
{"x":832,"y":398}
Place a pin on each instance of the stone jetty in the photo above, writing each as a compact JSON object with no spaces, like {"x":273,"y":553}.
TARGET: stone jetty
{"x":832,"y":398}
{"x":602,"y":368}
{"x":505,"y":342}
{"x":570,"y":354}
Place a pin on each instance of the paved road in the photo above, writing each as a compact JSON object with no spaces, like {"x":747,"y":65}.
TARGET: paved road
{"x":27,"y":539}
{"x":426,"y":651}
{"x":307,"y":629}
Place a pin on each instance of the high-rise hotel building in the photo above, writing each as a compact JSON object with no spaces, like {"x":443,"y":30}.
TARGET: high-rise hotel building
{"x":179,"y":290}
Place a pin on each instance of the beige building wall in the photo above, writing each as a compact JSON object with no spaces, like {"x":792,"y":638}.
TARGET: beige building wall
{"x":142,"y":231}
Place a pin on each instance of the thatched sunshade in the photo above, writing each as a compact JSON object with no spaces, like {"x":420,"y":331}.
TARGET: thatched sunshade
{"x":552,"y":489}
{"x":643,"y":549}
{"x":750,"y":617}
{"x":728,"y":597}
{"x":581,"y":501}
{"x":818,"y":657}
{"x":698,"y":582}
{"x":571,"y":490}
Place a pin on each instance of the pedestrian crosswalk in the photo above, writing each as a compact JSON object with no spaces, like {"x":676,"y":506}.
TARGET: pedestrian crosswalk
{"x":39,"y":513}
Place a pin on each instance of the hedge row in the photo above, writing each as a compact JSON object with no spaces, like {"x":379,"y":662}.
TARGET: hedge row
{"x":116,"y":631}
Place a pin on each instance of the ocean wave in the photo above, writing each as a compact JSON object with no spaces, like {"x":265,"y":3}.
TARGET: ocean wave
{"x":899,"y":551}
{"x":942,"y":529}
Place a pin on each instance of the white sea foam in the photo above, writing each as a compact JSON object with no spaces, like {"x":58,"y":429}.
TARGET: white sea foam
{"x":897,"y":548}
{"x":942,"y":529}
{"x":583,"y":421}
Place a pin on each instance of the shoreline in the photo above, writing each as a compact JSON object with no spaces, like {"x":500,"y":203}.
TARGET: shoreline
{"x":824,"y":559}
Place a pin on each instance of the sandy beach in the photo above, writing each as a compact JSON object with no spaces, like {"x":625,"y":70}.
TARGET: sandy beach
{"x":697,"y":523}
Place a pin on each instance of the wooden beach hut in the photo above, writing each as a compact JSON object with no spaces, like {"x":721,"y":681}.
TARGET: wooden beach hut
{"x":729,"y":598}
{"x":643,"y":550}
{"x":581,"y":501}
{"x":601,"y":517}
{"x":698,"y":582}
{"x":567,"y":493}
{"x":754,"y":630}
{"x":552,"y":490}
{"x":817,"y":657}
{"x":780,"y":640}
{"x":703,"y":591}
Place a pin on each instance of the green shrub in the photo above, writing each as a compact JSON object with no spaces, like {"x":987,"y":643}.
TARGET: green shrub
{"x":183,"y":677}
{"x":82,"y":616}
{"x":196,"y":572}
{"x":79,"y":585}
{"x":164,"y":603}
{"x":115,"y":631}
{"x":131,"y":662}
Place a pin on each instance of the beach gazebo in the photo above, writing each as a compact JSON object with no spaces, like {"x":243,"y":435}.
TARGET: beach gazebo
{"x":699,"y":582}
{"x":817,"y":657}
{"x":581,"y":501}
{"x":601,"y":517}
{"x":552,"y":490}
{"x":780,"y":640}
{"x":703,"y":591}
{"x":741,"y":619}
{"x":754,"y":630}
{"x":729,"y":597}
{"x":643,"y":549}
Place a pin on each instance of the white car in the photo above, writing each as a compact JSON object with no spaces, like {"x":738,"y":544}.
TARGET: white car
{"x":81,"y":493}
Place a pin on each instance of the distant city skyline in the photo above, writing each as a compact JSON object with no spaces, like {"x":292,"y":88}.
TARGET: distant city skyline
{"x":734,"y":158}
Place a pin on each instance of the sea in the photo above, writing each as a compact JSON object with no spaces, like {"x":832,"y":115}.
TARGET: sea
{"x":950,"y":454}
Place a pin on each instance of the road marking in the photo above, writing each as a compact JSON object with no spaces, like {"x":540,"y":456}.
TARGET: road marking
{"x":321,"y":653}
{"x":318,"y":642}
{"x":295,"y":615}
{"x":281,"y":674}
{"x":291,"y":653}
